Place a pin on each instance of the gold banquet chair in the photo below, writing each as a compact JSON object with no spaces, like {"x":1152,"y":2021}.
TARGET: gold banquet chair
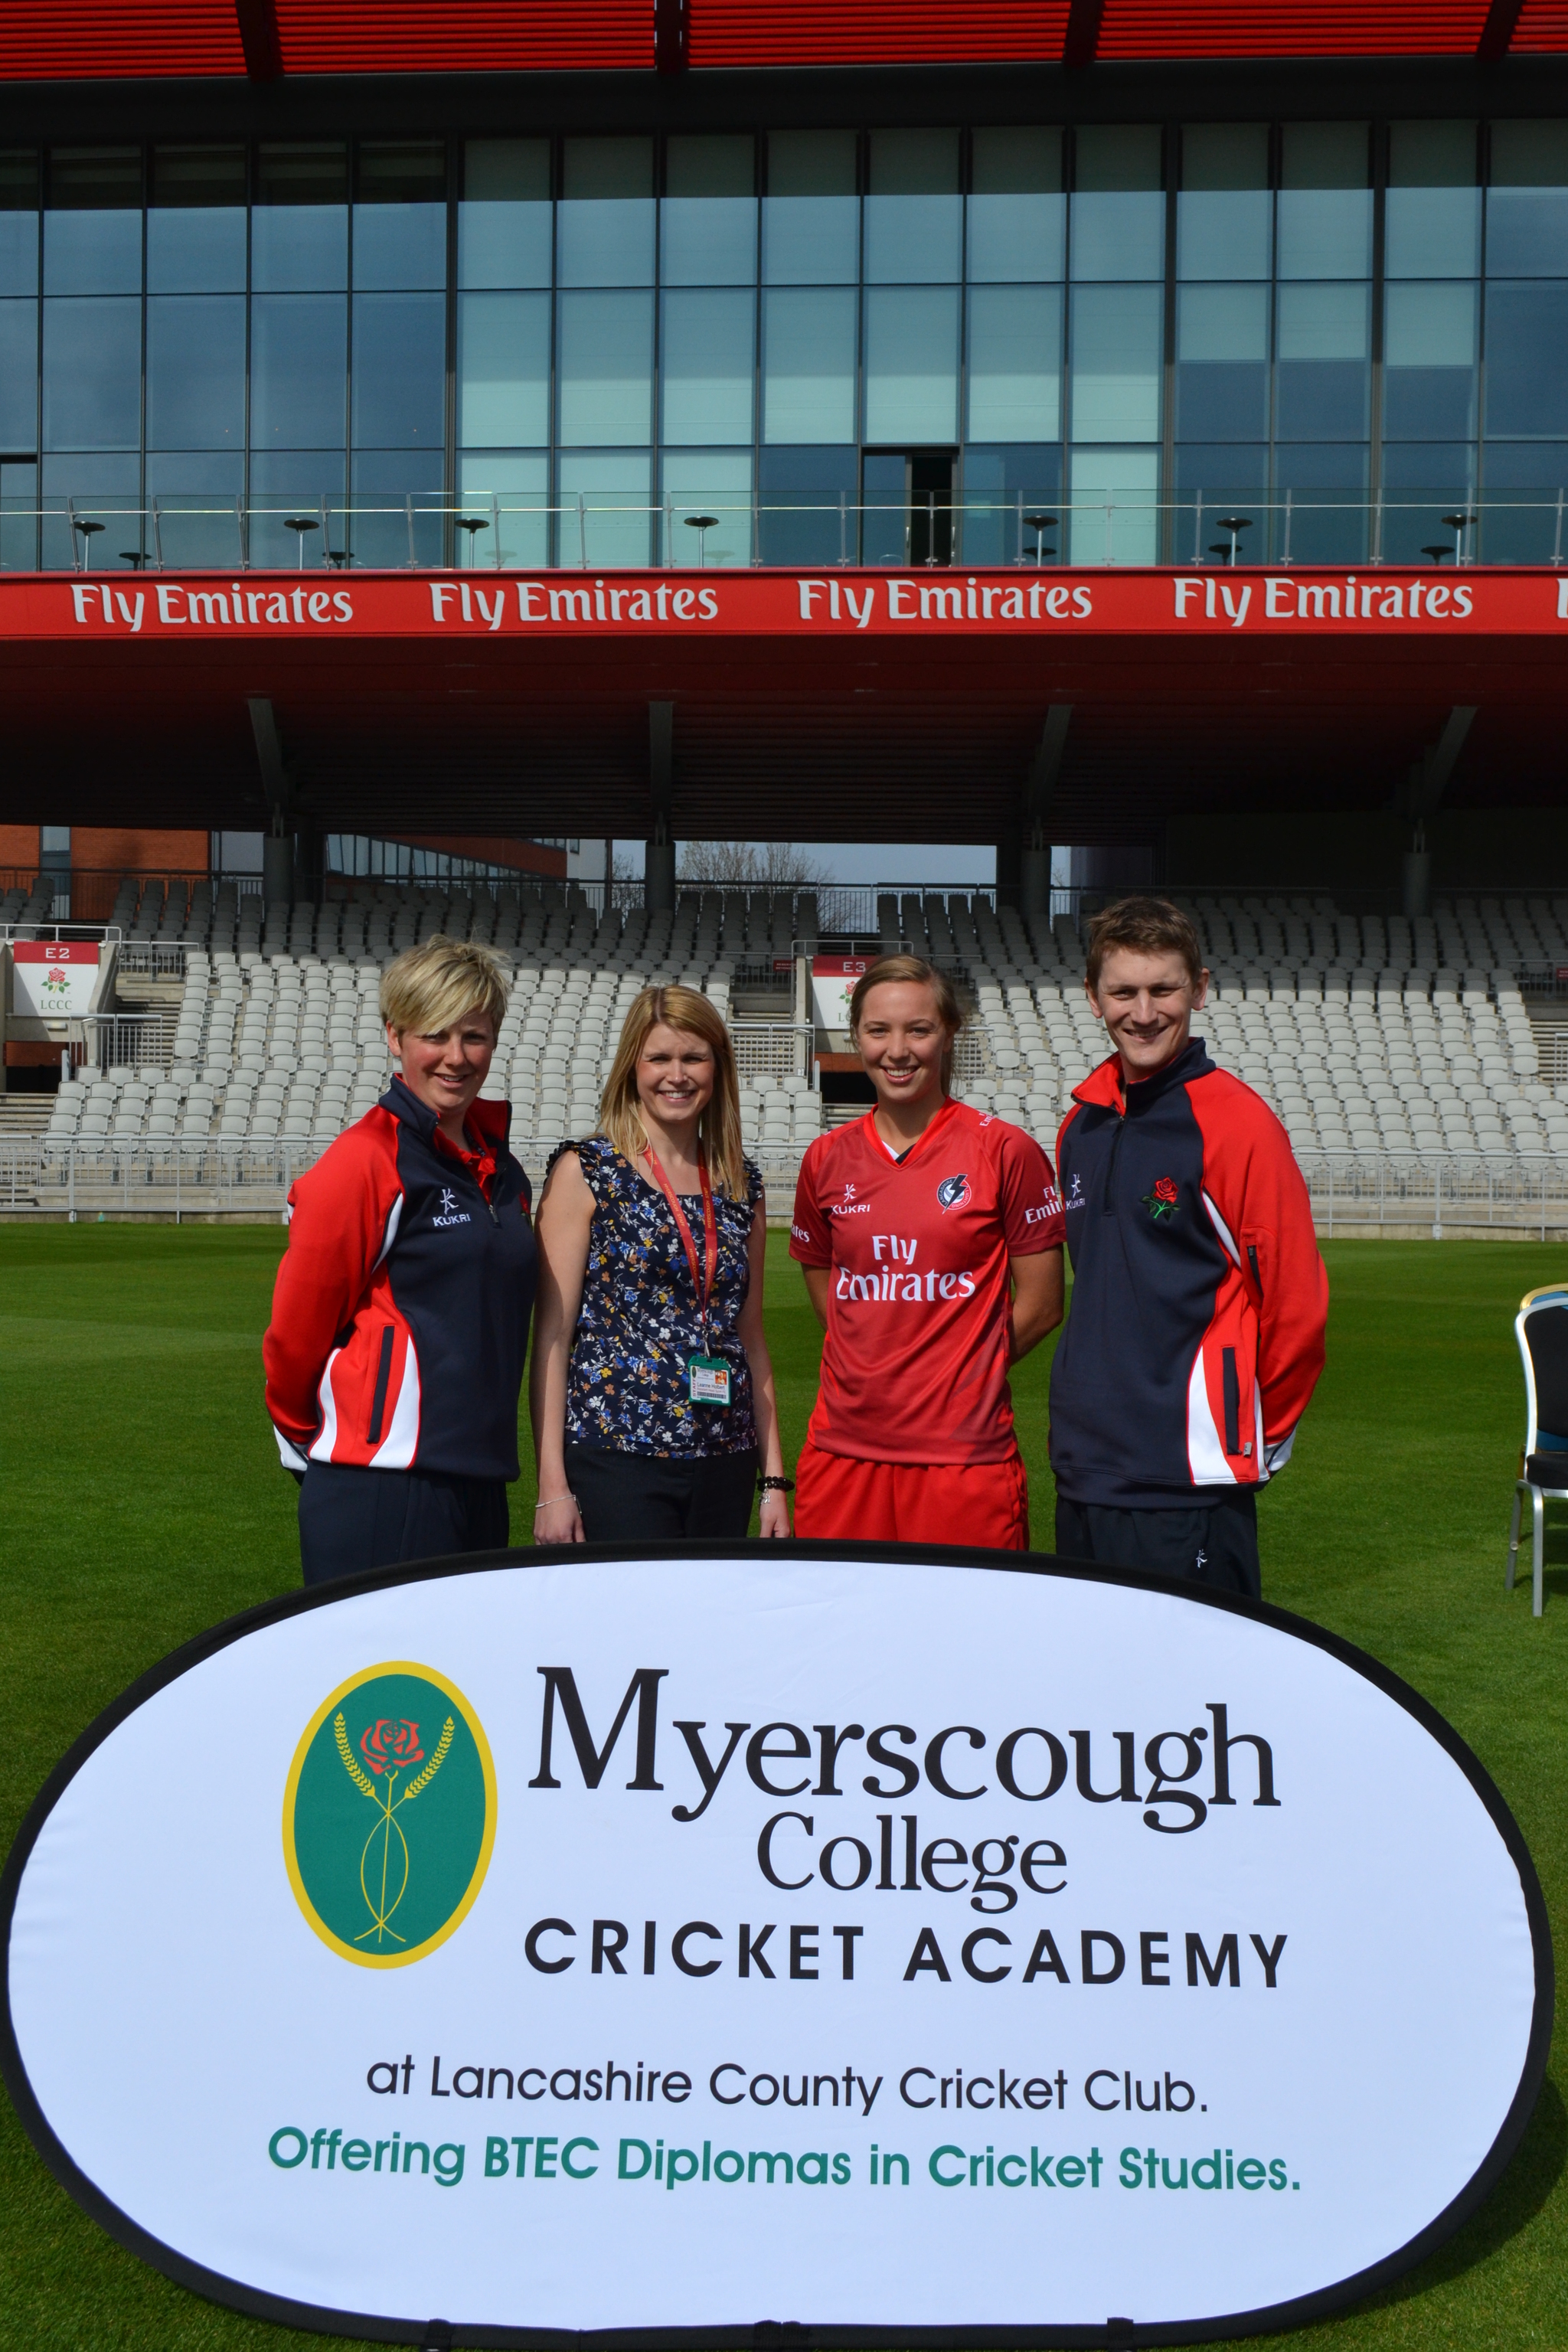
{"x":1541,"y":1326}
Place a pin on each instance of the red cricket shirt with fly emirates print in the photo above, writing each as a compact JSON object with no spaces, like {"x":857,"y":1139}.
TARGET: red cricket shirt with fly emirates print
{"x":914,"y":1367}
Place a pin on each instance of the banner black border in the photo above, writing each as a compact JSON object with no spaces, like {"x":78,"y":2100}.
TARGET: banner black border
{"x":1303,"y":2311}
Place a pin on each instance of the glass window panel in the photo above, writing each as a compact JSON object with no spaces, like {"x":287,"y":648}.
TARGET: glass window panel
{"x":1325,"y":204}
{"x":1118,"y":234}
{"x":298,"y":247}
{"x":101,"y":490}
{"x":1325,"y":232}
{"x":708,"y":240}
{"x":196,"y":372}
{"x":506,"y":171}
{"x":1527,"y":231}
{"x":1422,"y":482}
{"x":503,"y":370}
{"x":607,"y":170}
{"x":709,"y":366}
{"x":1432,"y":232}
{"x":1224,"y":232}
{"x":511,"y":494}
{"x":605,"y":241}
{"x":911,"y":365}
{"x":302,"y":173}
{"x":195,"y":221}
{"x":18,"y":376}
{"x":811,"y":240}
{"x":382,"y":485}
{"x":19,"y":221}
{"x":399,"y":371}
{"x":1117,"y":156}
{"x":1527,"y":360}
{"x":808,"y":362}
{"x":914,"y":162}
{"x":710,"y":164}
{"x":95,"y":179}
{"x":1014,"y":364}
{"x":807,"y":501}
{"x":1327,"y":488}
{"x":1225,"y":214}
{"x":199,"y":495}
{"x":92,"y":373}
{"x":811,"y":163}
{"x":1324,"y":345}
{"x":1429,"y":355}
{"x":1432,"y":155}
{"x":716,"y":482}
{"x":400,"y":245}
{"x":18,"y":253}
{"x":18,"y":518}
{"x":1115,"y":514}
{"x":606,"y":508}
{"x":1001,"y":486}
{"x":400,"y":172}
{"x":298,"y":370}
{"x":605,"y":368}
{"x":196,"y":251}
{"x":285,"y":482}
{"x":1225,"y":156}
{"x":1117,"y":338}
{"x":914,"y":214}
{"x":1221,"y":478}
{"x":913,"y":240}
{"x":1529,"y":154}
{"x":92,"y":252}
{"x":1017,"y":233}
{"x":1519,"y":504}
{"x":1222,"y":353}
{"x":504,"y":222}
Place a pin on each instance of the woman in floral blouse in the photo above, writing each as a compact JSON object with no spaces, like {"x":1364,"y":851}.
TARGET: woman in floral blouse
{"x":652,"y":1391}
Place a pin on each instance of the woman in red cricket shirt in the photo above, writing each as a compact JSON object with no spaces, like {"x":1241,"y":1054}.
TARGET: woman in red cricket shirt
{"x":930,"y":1238}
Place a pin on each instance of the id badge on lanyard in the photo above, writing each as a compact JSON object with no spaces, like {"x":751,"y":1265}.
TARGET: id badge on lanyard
{"x":707,"y":1375}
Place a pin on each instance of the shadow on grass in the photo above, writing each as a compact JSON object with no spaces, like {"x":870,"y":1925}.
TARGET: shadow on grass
{"x":1513,"y":2204}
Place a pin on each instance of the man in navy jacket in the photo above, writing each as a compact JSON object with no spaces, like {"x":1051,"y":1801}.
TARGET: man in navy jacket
{"x":1199,"y":1303}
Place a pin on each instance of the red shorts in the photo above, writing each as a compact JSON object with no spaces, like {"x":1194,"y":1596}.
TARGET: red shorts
{"x":841,"y":1499}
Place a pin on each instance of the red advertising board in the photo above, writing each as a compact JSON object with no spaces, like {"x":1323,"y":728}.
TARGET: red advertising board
{"x":1374,"y":602}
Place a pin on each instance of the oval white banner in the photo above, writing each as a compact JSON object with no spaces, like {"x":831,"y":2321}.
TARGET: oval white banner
{"x":906,"y":1945}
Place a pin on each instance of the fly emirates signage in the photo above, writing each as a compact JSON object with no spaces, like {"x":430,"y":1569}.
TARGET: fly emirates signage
{"x":940,"y":1944}
{"x":202,"y":610}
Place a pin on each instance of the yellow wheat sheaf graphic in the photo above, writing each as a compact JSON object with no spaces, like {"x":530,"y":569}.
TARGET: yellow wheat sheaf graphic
{"x":394,"y":1860}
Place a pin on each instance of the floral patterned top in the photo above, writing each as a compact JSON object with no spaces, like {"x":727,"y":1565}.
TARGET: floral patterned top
{"x":641,"y":1321}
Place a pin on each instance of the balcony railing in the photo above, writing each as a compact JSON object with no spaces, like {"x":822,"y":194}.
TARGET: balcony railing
{"x":525,"y":533}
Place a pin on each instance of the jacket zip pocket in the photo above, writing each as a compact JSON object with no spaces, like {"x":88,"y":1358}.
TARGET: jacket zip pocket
{"x":1256,"y":1277}
{"x":1232,"y":1401}
{"x":1109,"y":1210}
{"x":383,"y":1374}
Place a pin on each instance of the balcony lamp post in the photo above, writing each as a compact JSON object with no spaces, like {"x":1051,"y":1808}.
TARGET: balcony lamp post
{"x":1040,"y":524}
{"x":299,"y":525}
{"x":87,"y":531}
{"x":1460,"y":524}
{"x":471,"y":524}
{"x":701,"y":525}
{"x":1236,"y":525}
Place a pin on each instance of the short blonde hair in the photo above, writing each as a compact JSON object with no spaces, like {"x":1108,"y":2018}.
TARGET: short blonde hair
{"x":426,"y":989}
{"x":719,"y":1127}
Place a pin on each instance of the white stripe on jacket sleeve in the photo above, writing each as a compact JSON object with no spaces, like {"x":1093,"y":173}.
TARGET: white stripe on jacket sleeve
{"x":1206,"y":1447}
{"x":397,"y":1448}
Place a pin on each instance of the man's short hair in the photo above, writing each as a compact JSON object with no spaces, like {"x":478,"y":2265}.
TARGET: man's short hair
{"x":426,"y":989}
{"x":1147,"y":927}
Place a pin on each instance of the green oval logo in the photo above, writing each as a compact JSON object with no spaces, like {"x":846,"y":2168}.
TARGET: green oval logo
{"x":389,"y":1815}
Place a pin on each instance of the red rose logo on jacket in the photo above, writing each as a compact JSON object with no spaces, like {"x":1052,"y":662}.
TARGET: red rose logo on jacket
{"x":1162,"y":1200}
{"x":390,"y":1743}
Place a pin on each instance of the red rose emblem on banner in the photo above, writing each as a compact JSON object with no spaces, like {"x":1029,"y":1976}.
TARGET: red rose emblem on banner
{"x":1165,"y":1189}
{"x":391,"y":1741}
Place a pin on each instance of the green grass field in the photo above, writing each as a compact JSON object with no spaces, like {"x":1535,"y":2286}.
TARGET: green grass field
{"x":143,"y":1501}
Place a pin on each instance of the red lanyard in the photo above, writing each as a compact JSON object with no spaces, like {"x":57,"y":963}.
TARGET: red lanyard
{"x":703,"y":1287}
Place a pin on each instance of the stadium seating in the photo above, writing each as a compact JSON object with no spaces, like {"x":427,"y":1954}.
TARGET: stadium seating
{"x":1366,"y":1033}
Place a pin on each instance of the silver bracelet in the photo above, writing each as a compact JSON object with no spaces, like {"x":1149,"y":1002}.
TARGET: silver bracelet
{"x":552,"y":1498}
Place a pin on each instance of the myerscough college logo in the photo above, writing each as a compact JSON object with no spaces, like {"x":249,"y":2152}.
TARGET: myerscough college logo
{"x":389,"y":1815}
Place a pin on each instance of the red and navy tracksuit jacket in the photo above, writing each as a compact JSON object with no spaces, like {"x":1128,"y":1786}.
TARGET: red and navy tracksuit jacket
{"x":1195,"y":1336}
{"x":400,"y":1314}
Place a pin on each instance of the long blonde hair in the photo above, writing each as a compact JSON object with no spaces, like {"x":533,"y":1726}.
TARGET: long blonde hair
{"x":719,"y":1126}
